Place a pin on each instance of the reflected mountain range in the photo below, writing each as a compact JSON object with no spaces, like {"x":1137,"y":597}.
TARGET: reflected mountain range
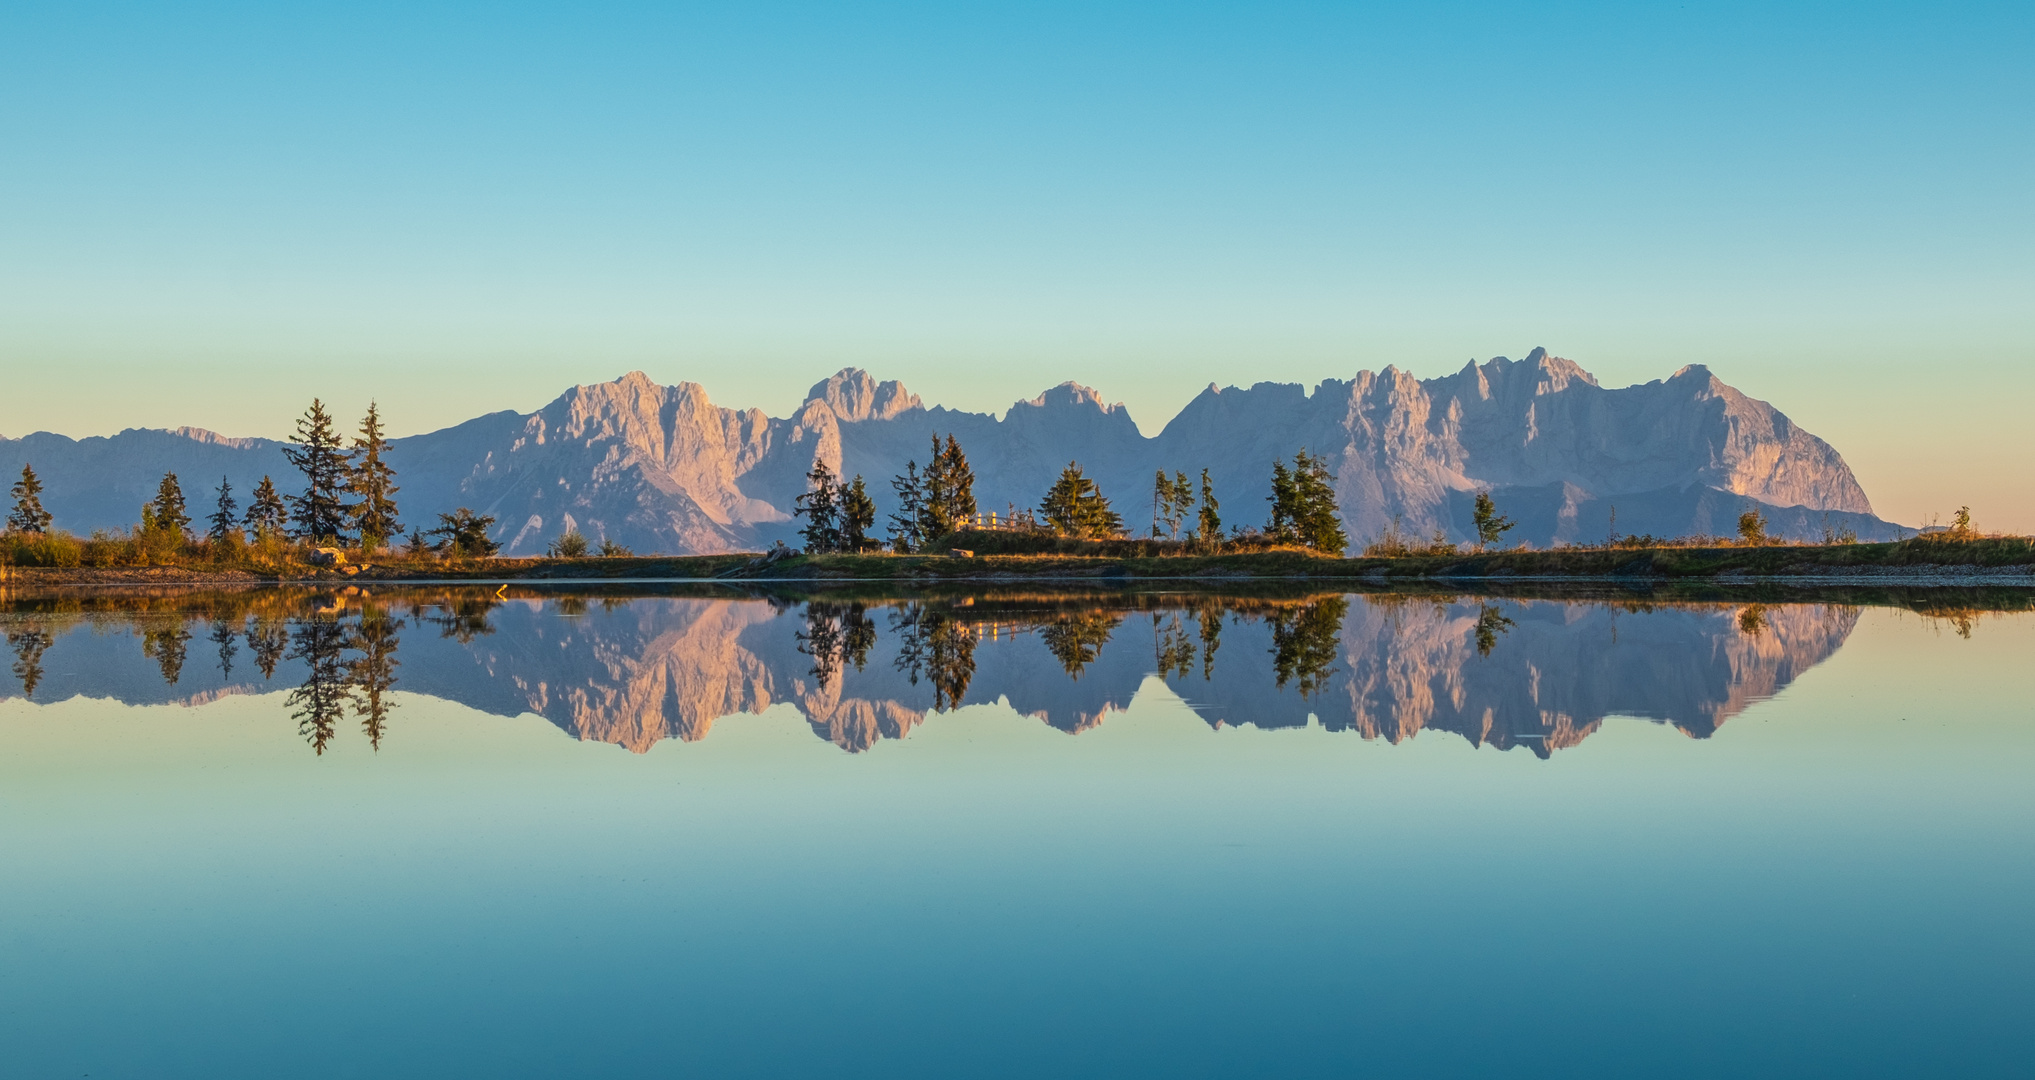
{"x":1539,"y":674}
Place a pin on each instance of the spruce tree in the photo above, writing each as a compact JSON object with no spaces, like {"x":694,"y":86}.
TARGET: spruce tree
{"x":911,"y":497}
{"x":28,"y":515}
{"x":1316,"y":521}
{"x":223,"y":519}
{"x":1076,"y":507}
{"x":1162,"y":499}
{"x":821,"y":507}
{"x":320,"y":514}
{"x":167,"y":511}
{"x":934,"y":521}
{"x":858,"y":516}
{"x":960,"y":484}
{"x":373,"y":483}
{"x":1208,"y":528}
{"x":465,"y":534}
{"x":1490,"y":527}
{"x":266,"y":515}
{"x":1281,"y":527}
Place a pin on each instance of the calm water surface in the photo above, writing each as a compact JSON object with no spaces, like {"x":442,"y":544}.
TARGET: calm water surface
{"x":449,"y":833}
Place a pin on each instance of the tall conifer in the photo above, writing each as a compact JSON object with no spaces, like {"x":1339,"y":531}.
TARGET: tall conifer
{"x":28,"y":515}
{"x":167,"y":511}
{"x":821,"y":507}
{"x":960,"y":484}
{"x":911,"y":496}
{"x":1076,"y":507}
{"x":1316,"y":521}
{"x":224,"y":519}
{"x":373,"y":483}
{"x":319,"y":512}
{"x":1208,"y":528}
{"x":266,"y":515}
{"x":858,"y":516}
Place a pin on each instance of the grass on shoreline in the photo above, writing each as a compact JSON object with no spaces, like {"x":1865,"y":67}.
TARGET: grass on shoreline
{"x":59,"y":557}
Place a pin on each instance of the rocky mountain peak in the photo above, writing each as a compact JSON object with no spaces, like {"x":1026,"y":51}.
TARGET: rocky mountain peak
{"x":854,"y":396}
{"x":1069,"y":395}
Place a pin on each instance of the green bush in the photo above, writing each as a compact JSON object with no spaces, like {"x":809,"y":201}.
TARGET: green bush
{"x":41,"y":549}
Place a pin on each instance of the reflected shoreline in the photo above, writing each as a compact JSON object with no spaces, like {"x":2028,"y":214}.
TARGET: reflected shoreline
{"x":624,"y":665}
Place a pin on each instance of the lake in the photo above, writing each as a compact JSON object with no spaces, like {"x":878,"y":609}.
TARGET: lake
{"x":689,"y":830}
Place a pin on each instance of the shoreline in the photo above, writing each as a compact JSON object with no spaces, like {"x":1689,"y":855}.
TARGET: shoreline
{"x":2009,"y":563}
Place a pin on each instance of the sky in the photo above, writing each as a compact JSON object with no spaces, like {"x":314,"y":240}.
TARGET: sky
{"x":210,"y":213}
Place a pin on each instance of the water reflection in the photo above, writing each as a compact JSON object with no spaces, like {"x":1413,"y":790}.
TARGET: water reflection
{"x":1538,"y":673}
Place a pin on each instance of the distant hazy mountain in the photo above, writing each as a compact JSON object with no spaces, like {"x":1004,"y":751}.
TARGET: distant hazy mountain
{"x":663,"y":469}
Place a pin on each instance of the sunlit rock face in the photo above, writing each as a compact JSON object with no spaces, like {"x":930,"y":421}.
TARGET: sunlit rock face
{"x":664,"y":469}
{"x":1540,"y":675}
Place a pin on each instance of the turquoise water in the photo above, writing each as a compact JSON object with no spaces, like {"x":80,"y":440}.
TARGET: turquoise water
{"x":671,"y":836}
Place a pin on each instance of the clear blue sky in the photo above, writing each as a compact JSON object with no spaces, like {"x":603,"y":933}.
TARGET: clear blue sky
{"x":209,"y":213}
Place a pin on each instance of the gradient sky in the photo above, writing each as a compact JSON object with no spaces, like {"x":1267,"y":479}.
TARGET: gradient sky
{"x":210,"y":213}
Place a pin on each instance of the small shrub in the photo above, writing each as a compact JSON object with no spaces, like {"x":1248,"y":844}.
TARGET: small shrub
{"x":571,"y":544}
{"x":1752,"y":528}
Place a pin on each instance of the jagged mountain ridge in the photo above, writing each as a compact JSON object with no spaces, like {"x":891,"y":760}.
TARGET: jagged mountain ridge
{"x":664,"y":469}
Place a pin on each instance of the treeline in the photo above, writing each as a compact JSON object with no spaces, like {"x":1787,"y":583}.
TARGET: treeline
{"x":936,"y":505}
{"x":347,"y":502}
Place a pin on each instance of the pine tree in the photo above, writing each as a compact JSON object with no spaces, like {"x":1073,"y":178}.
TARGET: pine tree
{"x":465,"y":533}
{"x":1076,"y":507}
{"x":960,"y":484}
{"x":319,"y":513}
{"x":167,"y":511}
{"x":1282,"y":528}
{"x":28,"y":515}
{"x":1208,"y":528}
{"x":1171,"y":497}
{"x":1316,"y":521}
{"x":373,"y":483}
{"x":858,"y":516}
{"x":934,"y":521}
{"x":266,"y":515}
{"x":911,"y":498}
{"x":1490,"y":527}
{"x":223,"y":519}
{"x":821,"y":507}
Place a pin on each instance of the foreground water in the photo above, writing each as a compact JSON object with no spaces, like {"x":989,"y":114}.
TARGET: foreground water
{"x":437,"y":833}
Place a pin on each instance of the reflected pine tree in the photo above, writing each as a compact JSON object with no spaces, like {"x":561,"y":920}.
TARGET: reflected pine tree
{"x":1172,"y":650}
{"x":320,"y":702}
{"x":1208,"y":617}
{"x":268,"y":639}
{"x":821,"y":640}
{"x":936,"y":646}
{"x":1752,"y":620}
{"x":223,"y":636}
{"x":372,"y":674}
{"x":1304,"y":641}
{"x":465,"y":617}
{"x":28,"y":645}
{"x":166,"y":645}
{"x":1078,"y":639}
{"x":1491,"y":622}
{"x":858,"y":634}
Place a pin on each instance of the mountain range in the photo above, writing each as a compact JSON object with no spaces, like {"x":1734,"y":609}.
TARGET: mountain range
{"x":663,"y":469}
